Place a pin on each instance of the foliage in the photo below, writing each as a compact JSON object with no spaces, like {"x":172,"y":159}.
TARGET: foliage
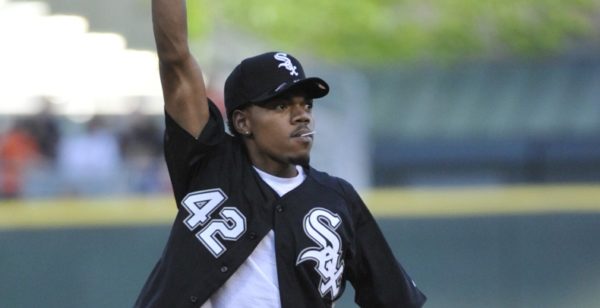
{"x":380,"y":31}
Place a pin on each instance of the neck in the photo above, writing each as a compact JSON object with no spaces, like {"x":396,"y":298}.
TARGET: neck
{"x":278,"y":165}
{"x":279,"y":169}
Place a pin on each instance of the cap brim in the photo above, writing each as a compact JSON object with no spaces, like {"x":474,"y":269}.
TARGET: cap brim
{"x":314,"y":87}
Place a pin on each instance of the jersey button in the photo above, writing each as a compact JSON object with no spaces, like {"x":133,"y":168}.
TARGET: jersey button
{"x":279,"y":209}
{"x":193,"y":299}
{"x":252,"y":235}
{"x":224,"y":269}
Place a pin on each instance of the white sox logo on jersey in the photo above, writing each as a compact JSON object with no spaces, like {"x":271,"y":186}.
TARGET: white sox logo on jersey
{"x":320,"y":225}
{"x":200,"y":205}
{"x":286,"y":63}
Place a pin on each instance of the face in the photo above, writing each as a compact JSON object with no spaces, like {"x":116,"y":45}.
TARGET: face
{"x":280,"y":130}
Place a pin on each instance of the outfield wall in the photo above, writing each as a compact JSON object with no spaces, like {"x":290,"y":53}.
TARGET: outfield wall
{"x":508,"y":252}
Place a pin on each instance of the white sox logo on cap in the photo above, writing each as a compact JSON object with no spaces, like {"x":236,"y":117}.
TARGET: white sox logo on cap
{"x":286,"y":63}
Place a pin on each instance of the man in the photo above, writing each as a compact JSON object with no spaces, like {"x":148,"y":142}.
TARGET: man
{"x":257,"y":226}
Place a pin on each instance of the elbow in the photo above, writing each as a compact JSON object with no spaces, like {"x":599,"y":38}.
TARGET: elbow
{"x":173,"y":56}
{"x":171,"y":49}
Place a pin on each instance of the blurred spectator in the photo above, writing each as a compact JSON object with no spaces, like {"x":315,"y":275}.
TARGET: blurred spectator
{"x":141,"y":145}
{"x":141,"y":138}
{"x":90,"y":161}
{"x":46,"y":131}
{"x":18,"y":152}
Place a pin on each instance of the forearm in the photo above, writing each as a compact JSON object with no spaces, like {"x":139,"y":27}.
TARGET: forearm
{"x":170,"y":30}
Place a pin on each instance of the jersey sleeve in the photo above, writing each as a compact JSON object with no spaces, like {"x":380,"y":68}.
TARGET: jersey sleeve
{"x":183,"y":152}
{"x":377,"y":277}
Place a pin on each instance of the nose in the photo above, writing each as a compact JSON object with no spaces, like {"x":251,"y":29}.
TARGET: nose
{"x":301,"y":114}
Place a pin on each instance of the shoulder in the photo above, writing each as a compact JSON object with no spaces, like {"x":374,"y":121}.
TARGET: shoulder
{"x":354,"y":203}
{"x":337,"y":184}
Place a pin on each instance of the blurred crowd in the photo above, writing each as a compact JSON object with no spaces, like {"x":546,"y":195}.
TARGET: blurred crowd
{"x":45,"y":155}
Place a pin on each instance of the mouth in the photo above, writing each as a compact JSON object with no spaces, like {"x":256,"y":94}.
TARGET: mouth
{"x":303,"y":133}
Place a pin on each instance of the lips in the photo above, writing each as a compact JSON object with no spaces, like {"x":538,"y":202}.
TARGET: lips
{"x":302,"y":131}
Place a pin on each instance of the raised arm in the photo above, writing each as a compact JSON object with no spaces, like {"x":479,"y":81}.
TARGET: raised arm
{"x":182,"y":83}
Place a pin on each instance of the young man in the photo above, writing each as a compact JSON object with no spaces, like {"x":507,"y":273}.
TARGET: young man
{"x":257,"y":226}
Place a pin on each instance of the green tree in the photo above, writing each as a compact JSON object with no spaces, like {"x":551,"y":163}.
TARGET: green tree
{"x":380,"y":31}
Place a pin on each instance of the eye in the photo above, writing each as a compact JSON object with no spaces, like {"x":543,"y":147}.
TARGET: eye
{"x":308,"y":105}
{"x":281,"y":107}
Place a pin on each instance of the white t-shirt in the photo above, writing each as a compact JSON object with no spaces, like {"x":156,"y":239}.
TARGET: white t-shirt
{"x":254,"y":283}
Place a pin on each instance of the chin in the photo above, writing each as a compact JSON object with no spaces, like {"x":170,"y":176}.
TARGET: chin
{"x":302,"y":160}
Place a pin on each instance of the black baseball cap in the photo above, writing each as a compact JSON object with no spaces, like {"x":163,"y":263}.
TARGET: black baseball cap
{"x":260,"y":78}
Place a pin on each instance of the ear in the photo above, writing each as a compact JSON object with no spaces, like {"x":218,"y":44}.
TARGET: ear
{"x":241,"y":122}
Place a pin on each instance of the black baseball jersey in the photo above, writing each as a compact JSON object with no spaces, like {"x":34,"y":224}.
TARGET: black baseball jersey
{"x":324,"y":234}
